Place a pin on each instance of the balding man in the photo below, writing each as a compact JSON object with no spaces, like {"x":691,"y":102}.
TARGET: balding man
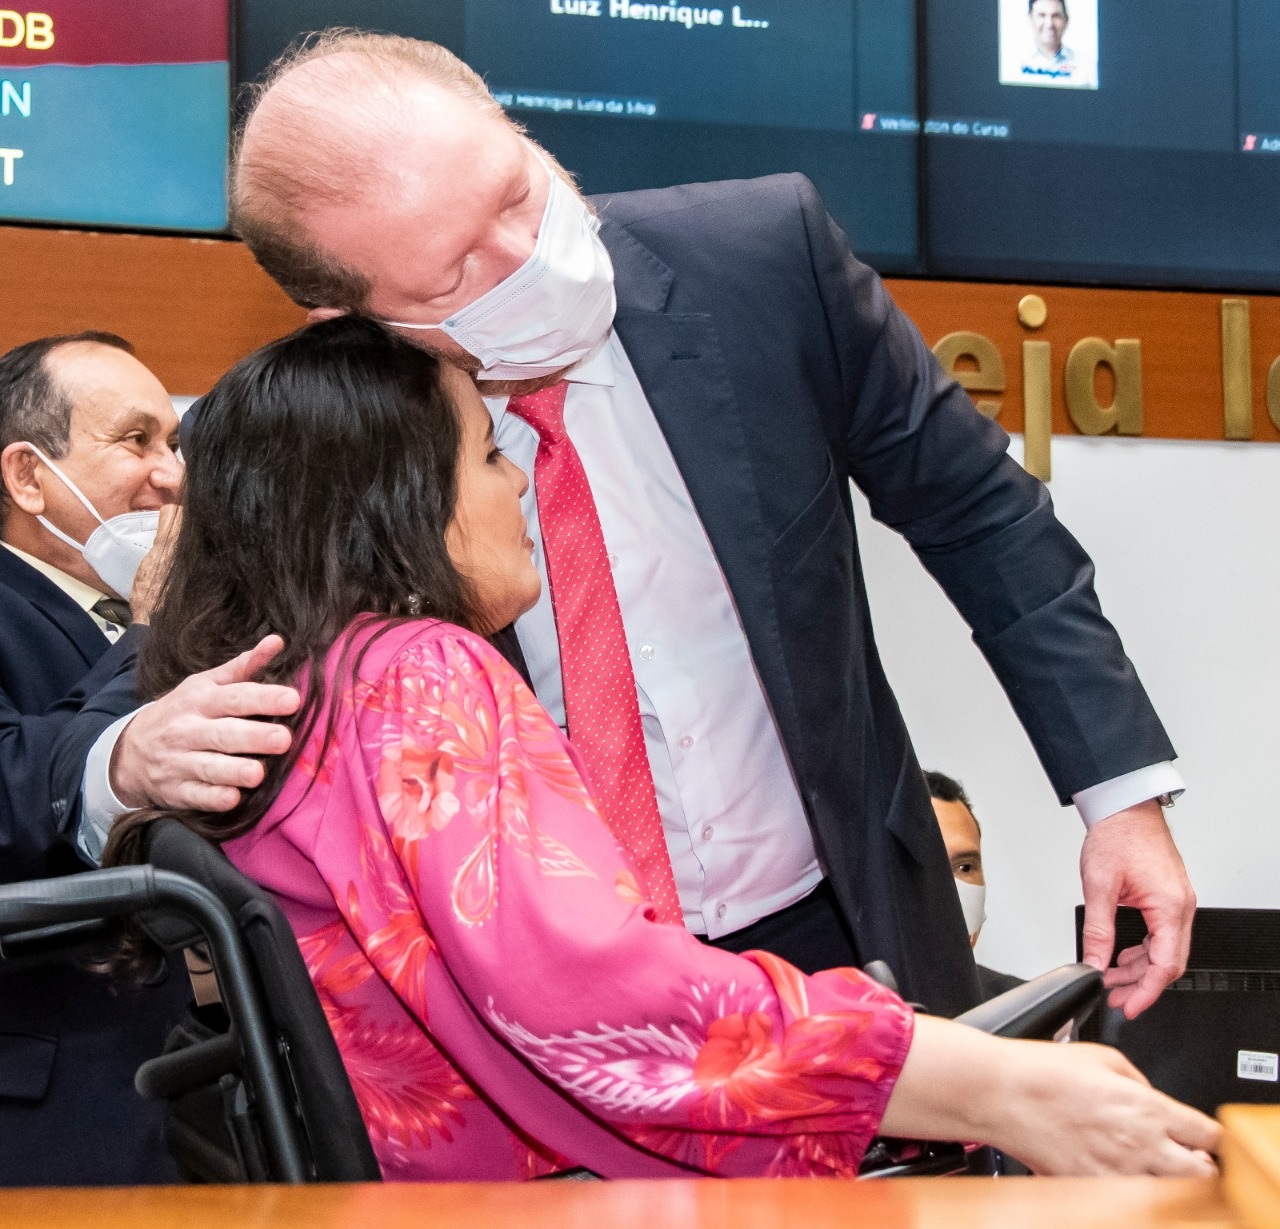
{"x":87,"y":440}
{"x":716,"y":366}
{"x":87,"y":462}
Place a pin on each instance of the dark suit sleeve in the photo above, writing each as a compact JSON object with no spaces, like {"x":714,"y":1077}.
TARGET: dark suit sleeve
{"x":937,"y":471}
{"x":114,"y":695}
{"x":35,"y":839}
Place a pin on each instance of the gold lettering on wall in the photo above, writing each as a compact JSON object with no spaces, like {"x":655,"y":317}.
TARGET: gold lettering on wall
{"x":1037,"y":395}
{"x":1104,"y":385}
{"x":987,"y":373}
{"x":1124,"y":360}
{"x":1237,"y":378}
{"x":1273,"y":393}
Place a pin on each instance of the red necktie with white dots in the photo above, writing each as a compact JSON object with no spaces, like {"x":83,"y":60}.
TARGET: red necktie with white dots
{"x":599,"y":685}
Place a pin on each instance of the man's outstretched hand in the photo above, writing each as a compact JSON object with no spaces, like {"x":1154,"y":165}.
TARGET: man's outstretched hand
{"x":197,"y":747}
{"x":1130,"y":859}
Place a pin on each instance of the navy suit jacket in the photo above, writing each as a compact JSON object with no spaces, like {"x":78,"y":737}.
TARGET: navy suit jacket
{"x":52,"y":656}
{"x":69,"y":1041}
{"x":779,"y":369}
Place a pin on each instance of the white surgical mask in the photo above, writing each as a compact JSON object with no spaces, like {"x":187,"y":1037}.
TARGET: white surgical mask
{"x":553,"y":311}
{"x":973,"y":904}
{"x":115,"y":549}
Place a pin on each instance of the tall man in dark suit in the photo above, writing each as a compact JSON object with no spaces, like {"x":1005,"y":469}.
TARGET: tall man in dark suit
{"x":751,"y":368}
{"x":75,"y":412}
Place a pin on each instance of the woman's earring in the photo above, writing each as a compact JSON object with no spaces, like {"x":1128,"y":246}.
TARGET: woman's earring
{"x":414,"y":604}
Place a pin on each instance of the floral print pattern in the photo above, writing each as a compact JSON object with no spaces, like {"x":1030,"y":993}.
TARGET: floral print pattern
{"x":502,"y":998}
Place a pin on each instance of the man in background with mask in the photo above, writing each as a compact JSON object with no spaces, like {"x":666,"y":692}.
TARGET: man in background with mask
{"x":88,"y":461}
{"x":963,"y":839}
{"x":691,"y":376}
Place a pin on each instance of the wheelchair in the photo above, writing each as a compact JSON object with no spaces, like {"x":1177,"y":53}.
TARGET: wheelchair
{"x":255,"y":1085}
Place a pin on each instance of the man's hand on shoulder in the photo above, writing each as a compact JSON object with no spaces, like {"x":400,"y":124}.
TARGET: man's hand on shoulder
{"x":197,"y":746}
{"x":1130,"y":859}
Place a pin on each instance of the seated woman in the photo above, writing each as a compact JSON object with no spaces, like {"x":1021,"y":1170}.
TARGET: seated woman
{"x":503,"y":999}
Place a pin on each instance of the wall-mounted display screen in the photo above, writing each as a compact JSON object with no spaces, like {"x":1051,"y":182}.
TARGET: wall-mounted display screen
{"x":1105,"y":140}
{"x":635,"y":95}
{"x":1074,"y":140}
{"x":115,"y":114}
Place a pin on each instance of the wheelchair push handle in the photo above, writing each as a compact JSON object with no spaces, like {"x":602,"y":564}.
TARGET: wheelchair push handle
{"x":94,"y":894}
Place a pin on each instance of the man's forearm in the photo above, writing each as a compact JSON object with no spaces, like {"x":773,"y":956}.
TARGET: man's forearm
{"x":69,"y":762}
{"x":99,"y":806}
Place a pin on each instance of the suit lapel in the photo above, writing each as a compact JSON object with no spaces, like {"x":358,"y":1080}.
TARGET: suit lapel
{"x":679,"y":361}
{"x":54,"y":605}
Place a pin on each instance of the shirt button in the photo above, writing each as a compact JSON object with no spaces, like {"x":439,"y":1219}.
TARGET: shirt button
{"x":613,"y":561}
{"x":721,"y":910}
{"x":646,"y":650}
{"x":685,"y":742}
{"x":708,"y":832}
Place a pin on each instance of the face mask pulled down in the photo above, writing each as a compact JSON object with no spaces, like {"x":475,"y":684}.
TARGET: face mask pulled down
{"x":553,"y":311}
{"x":116,"y":548}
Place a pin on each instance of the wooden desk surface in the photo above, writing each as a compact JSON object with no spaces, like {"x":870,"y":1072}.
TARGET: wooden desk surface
{"x":919,"y":1203}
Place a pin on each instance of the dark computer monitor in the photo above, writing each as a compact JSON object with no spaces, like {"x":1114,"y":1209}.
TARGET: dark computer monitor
{"x":1142,"y":146}
{"x":1214,"y":1036}
{"x":643,"y":95}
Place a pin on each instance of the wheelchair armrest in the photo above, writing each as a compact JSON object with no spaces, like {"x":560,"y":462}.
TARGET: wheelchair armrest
{"x":179,"y":1071}
{"x":40,"y":903}
{"x":1042,"y":1006}
{"x":57,"y":942}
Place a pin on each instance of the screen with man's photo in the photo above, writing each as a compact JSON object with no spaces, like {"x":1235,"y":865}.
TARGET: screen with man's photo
{"x":1133,"y":156}
{"x":1046,"y":43}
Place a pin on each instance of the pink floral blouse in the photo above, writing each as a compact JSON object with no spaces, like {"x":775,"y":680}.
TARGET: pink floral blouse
{"x":502,"y":999}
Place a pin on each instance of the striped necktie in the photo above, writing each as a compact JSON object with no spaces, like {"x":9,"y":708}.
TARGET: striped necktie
{"x":113,"y":610}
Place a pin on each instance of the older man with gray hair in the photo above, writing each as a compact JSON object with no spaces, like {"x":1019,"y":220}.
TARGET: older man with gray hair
{"x":87,"y":467}
{"x":713,"y":365}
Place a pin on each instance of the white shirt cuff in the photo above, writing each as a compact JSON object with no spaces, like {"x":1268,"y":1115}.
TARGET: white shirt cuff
{"x":99,"y":806}
{"x":1105,"y":799}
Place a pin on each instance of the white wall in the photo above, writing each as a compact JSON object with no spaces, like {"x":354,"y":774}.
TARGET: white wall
{"x":1186,"y":538}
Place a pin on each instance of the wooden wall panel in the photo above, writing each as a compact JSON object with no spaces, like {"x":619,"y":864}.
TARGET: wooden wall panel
{"x":192,"y":307}
{"x":1180,"y":335}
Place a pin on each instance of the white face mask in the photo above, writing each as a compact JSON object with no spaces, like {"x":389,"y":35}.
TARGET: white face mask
{"x":973,"y":904}
{"x":115,"y":549}
{"x":553,"y":311}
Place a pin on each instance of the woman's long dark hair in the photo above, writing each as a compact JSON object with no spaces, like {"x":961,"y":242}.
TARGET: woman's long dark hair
{"x":321,"y":481}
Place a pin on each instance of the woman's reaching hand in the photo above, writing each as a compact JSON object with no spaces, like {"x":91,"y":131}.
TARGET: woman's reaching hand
{"x":1060,"y":1109}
